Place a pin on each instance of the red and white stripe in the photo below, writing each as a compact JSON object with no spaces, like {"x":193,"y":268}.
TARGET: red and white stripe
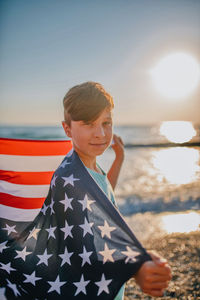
{"x":26,"y":168}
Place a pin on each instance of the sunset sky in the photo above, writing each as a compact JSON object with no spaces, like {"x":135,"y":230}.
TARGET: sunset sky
{"x":47,"y":46}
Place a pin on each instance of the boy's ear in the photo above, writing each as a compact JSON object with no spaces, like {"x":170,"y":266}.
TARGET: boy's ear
{"x":67,"y":129}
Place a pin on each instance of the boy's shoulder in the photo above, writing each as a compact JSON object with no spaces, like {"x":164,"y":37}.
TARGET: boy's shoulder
{"x":66,"y":165}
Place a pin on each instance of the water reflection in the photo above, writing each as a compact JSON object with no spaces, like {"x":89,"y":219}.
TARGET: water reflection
{"x":177,"y":165}
{"x":178,"y":131}
{"x":181,"y":222}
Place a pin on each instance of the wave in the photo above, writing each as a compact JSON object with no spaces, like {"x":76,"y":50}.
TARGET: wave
{"x":134,"y":204}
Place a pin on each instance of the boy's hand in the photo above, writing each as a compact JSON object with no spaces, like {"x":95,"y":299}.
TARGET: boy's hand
{"x":153,"y":276}
{"x":159,"y":260}
{"x":118,"y":147}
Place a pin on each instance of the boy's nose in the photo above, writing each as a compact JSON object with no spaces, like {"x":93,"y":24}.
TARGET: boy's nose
{"x":99,"y":131}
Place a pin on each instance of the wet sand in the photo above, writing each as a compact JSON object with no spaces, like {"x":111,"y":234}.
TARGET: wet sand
{"x":182,"y":250}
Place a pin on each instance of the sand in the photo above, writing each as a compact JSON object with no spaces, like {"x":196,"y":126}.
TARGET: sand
{"x":183,"y":254}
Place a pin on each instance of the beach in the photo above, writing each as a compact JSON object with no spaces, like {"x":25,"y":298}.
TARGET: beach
{"x":182,"y":250}
{"x":158,"y":194}
{"x":146,"y":55}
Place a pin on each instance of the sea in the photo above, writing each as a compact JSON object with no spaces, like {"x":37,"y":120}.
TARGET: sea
{"x":159,"y":179}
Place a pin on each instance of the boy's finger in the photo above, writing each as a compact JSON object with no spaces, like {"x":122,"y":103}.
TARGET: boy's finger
{"x":159,"y":278}
{"x":117,"y":139}
{"x":157,"y":285}
{"x":153,"y":268}
{"x":160,"y":261}
{"x":154,"y":293}
{"x":121,"y":141}
{"x":157,"y":258}
{"x":163,"y":270}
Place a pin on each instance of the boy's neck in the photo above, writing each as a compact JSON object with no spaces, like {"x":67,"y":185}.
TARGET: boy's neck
{"x":89,"y":162}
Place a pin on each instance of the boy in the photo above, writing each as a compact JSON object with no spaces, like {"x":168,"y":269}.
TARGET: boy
{"x":88,"y":122}
{"x":79,"y":245}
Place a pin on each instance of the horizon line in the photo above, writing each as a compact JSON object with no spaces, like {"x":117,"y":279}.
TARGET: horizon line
{"x":115,"y":124}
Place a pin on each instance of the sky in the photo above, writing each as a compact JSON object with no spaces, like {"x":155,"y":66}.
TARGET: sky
{"x":48,"y":46}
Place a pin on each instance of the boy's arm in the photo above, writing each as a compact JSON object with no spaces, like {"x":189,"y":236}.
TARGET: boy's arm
{"x":114,"y":171}
{"x":153,"y":276}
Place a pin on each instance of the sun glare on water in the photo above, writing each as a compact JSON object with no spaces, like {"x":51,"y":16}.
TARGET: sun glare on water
{"x":177,"y":165}
{"x":181,"y":222}
{"x":177,"y":131}
{"x":176,"y":75}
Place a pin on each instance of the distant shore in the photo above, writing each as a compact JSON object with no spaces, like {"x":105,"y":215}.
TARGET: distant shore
{"x":163,"y":145}
{"x":183,"y":254}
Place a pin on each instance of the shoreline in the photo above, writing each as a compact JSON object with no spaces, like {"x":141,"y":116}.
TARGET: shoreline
{"x":182,"y":251}
{"x":153,"y":226}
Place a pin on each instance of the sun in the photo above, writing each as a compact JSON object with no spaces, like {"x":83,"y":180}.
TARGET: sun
{"x":176,"y":76}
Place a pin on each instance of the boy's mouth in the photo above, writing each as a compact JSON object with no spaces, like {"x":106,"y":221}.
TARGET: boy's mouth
{"x":98,"y":144}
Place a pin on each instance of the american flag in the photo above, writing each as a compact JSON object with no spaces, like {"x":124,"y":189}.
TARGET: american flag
{"x":77,"y":246}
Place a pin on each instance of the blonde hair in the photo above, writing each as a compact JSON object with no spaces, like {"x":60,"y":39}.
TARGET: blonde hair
{"x":85,"y":102}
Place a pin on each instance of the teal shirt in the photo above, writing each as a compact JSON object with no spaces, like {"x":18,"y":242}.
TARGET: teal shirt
{"x":103,"y":182}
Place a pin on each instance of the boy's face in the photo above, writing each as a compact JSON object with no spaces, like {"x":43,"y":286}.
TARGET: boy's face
{"x":93,"y":138}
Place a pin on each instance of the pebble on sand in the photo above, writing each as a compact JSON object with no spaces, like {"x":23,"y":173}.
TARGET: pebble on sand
{"x":183,"y":254}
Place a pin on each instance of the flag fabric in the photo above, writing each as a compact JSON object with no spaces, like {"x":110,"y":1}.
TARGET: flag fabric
{"x":26,"y":169}
{"x":77,"y":247}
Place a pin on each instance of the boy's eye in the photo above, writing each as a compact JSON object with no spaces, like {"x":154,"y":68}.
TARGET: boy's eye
{"x":107,"y":123}
{"x":89,"y":124}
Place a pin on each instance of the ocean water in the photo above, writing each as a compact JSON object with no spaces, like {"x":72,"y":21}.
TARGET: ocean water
{"x":154,"y":178}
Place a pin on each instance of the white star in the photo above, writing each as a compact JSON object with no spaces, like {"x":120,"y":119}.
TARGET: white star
{"x":67,"y":230}
{"x":106,"y":230}
{"x":64,"y":163}
{"x":33,"y":233}
{"x":53,"y":181}
{"x":131,"y":254}
{"x":103,"y":285}
{"x":67,"y":202}
{"x":44,"y":258}
{"x":3,"y":246}
{"x":69,"y":180}
{"x":31,"y":278}
{"x":22,"y":254}
{"x":2,"y":294}
{"x":13,"y":287}
{"x":55,"y":285}
{"x":85,"y":256}
{"x":51,"y":206}
{"x":66,"y":257}
{"x":81,"y":285}
{"x":7,"y":267}
{"x":86,"y":203}
{"x":86,"y":227}
{"x":107,"y":254}
{"x":51,"y":232}
{"x":44,"y":208}
{"x":10,"y":228}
